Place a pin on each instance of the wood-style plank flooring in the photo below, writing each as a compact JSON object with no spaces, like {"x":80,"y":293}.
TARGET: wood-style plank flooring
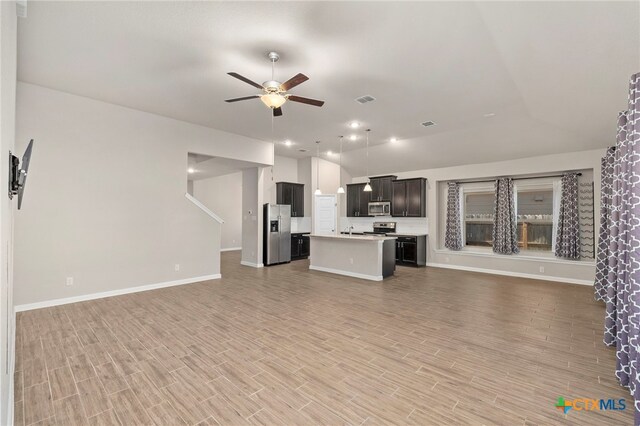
{"x":287,"y":346}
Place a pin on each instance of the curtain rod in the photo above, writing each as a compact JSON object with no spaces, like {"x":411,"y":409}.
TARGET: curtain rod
{"x":522,"y":178}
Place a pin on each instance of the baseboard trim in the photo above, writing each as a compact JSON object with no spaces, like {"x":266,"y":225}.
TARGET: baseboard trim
{"x":511,"y":274}
{"x":101,"y":295}
{"x":347,"y":273}
{"x":251,"y":264}
{"x":231,"y":249}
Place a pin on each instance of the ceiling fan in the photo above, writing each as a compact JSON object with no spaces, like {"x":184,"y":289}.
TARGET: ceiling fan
{"x":275,"y":93}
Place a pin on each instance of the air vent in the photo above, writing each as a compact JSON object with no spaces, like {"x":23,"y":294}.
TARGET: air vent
{"x":428,"y":123}
{"x":303,"y":150}
{"x":21,"y":8}
{"x":365,"y":99}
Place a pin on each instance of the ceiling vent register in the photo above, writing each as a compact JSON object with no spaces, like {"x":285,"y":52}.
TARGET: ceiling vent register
{"x":365,"y":99}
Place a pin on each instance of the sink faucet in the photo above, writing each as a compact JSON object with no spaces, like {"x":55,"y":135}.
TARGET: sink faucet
{"x":350,"y":229}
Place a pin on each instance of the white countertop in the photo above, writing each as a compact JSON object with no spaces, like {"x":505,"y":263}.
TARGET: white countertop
{"x":355,"y":237}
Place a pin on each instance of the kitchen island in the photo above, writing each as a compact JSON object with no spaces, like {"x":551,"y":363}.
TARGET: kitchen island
{"x":370,"y":257}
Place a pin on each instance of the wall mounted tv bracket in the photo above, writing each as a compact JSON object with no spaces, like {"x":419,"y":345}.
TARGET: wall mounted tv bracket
{"x":18,"y":173}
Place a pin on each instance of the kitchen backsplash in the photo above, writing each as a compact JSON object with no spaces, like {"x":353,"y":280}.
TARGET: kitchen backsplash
{"x":404,"y":225}
{"x":300,"y":224}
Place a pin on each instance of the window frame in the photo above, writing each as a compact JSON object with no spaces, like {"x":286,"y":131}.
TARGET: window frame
{"x":470,"y":189}
{"x":541,"y":184}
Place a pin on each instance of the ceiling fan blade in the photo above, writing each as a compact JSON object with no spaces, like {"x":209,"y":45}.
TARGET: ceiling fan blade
{"x":307,"y":101}
{"x":242,"y":99}
{"x":277,"y":112}
{"x":245,"y":79}
{"x":293,"y":82}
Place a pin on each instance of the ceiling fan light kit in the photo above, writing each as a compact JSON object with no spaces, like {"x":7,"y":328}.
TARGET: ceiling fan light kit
{"x":274,"y":94}
{"x":273,"y":100}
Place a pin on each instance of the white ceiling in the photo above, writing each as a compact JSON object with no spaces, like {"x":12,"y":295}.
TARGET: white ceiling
{"x":554,"y":73}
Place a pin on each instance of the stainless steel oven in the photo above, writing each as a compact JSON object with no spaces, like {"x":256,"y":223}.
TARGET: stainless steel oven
{"x":380,"y":208}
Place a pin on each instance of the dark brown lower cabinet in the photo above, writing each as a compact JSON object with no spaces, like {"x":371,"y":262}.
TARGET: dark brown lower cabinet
{"x":300,"y":246}
{"x":411,"y":250}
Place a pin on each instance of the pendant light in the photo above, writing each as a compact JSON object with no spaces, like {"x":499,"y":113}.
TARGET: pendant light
{"x":340,"y":188}
{"x":367,"y":187}
{"x":318,"y":192}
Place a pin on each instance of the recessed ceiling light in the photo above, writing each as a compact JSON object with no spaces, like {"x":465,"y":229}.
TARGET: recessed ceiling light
{"x":191,"y":170}
{"x":353,"y":137}
{"x":354,"y":124}
{"x":287,"y":142}
{"x":393,"y":140}
{"x":490,"y":114}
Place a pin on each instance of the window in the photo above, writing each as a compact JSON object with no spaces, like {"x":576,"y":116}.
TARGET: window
{"x":537,"y":205}
{"x":535,"y":218}
{"x":478,"y":218}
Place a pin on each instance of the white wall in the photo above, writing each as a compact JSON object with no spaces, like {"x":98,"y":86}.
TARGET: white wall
{"x":284,"y":169}
{"x":570,"y":271}
{"x":8,"y":26}
{"x":223,"y":196}
{"x":252,"y":201}
{"x":105,"y":199}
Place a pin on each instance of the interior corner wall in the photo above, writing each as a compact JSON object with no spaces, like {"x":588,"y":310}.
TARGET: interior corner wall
{"x":284,"y":169}
{"x":305,"y":173}
{"x":252,"y":202}
{"x":8,"y":48}
{"x":105,"y":201}
{"x":223,"y":196}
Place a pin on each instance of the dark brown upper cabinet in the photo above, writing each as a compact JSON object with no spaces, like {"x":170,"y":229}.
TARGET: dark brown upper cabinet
{"x":357,"y":200}
{"x":381,"y":188}
{"x":408,"y":198}
{"x":292,"y":194}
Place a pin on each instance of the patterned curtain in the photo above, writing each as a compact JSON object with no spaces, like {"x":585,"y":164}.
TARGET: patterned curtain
{"x":505,"y":225}
{"x":587,"y":232}
{"x":601,"y":284}
{"x":453,"y":232}
{"x":568,"y":236}
{"x":618,"y":279}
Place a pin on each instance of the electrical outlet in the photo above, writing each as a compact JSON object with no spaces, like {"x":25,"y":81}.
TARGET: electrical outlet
{"x":542,"y":269}
{"x":446,"y":259}
{"x":69,"y":282}
{"x":351,"y":260}
{"x":177,"y":267}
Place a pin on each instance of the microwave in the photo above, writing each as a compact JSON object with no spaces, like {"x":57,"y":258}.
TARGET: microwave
{"x":380,"y":208}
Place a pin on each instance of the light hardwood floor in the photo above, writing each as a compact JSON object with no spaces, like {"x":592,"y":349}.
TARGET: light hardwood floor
{"x":284,"y":345}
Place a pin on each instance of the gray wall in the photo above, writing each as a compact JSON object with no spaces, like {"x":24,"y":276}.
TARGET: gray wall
{"x":105,"y":200}
{"x":223,"y":196}
{"x":571,"y":271}
{"x":8,"y":27}
{"x":252,"y":201}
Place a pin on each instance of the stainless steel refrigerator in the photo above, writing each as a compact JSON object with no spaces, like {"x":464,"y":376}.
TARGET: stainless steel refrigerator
{"x":277,"y":234}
